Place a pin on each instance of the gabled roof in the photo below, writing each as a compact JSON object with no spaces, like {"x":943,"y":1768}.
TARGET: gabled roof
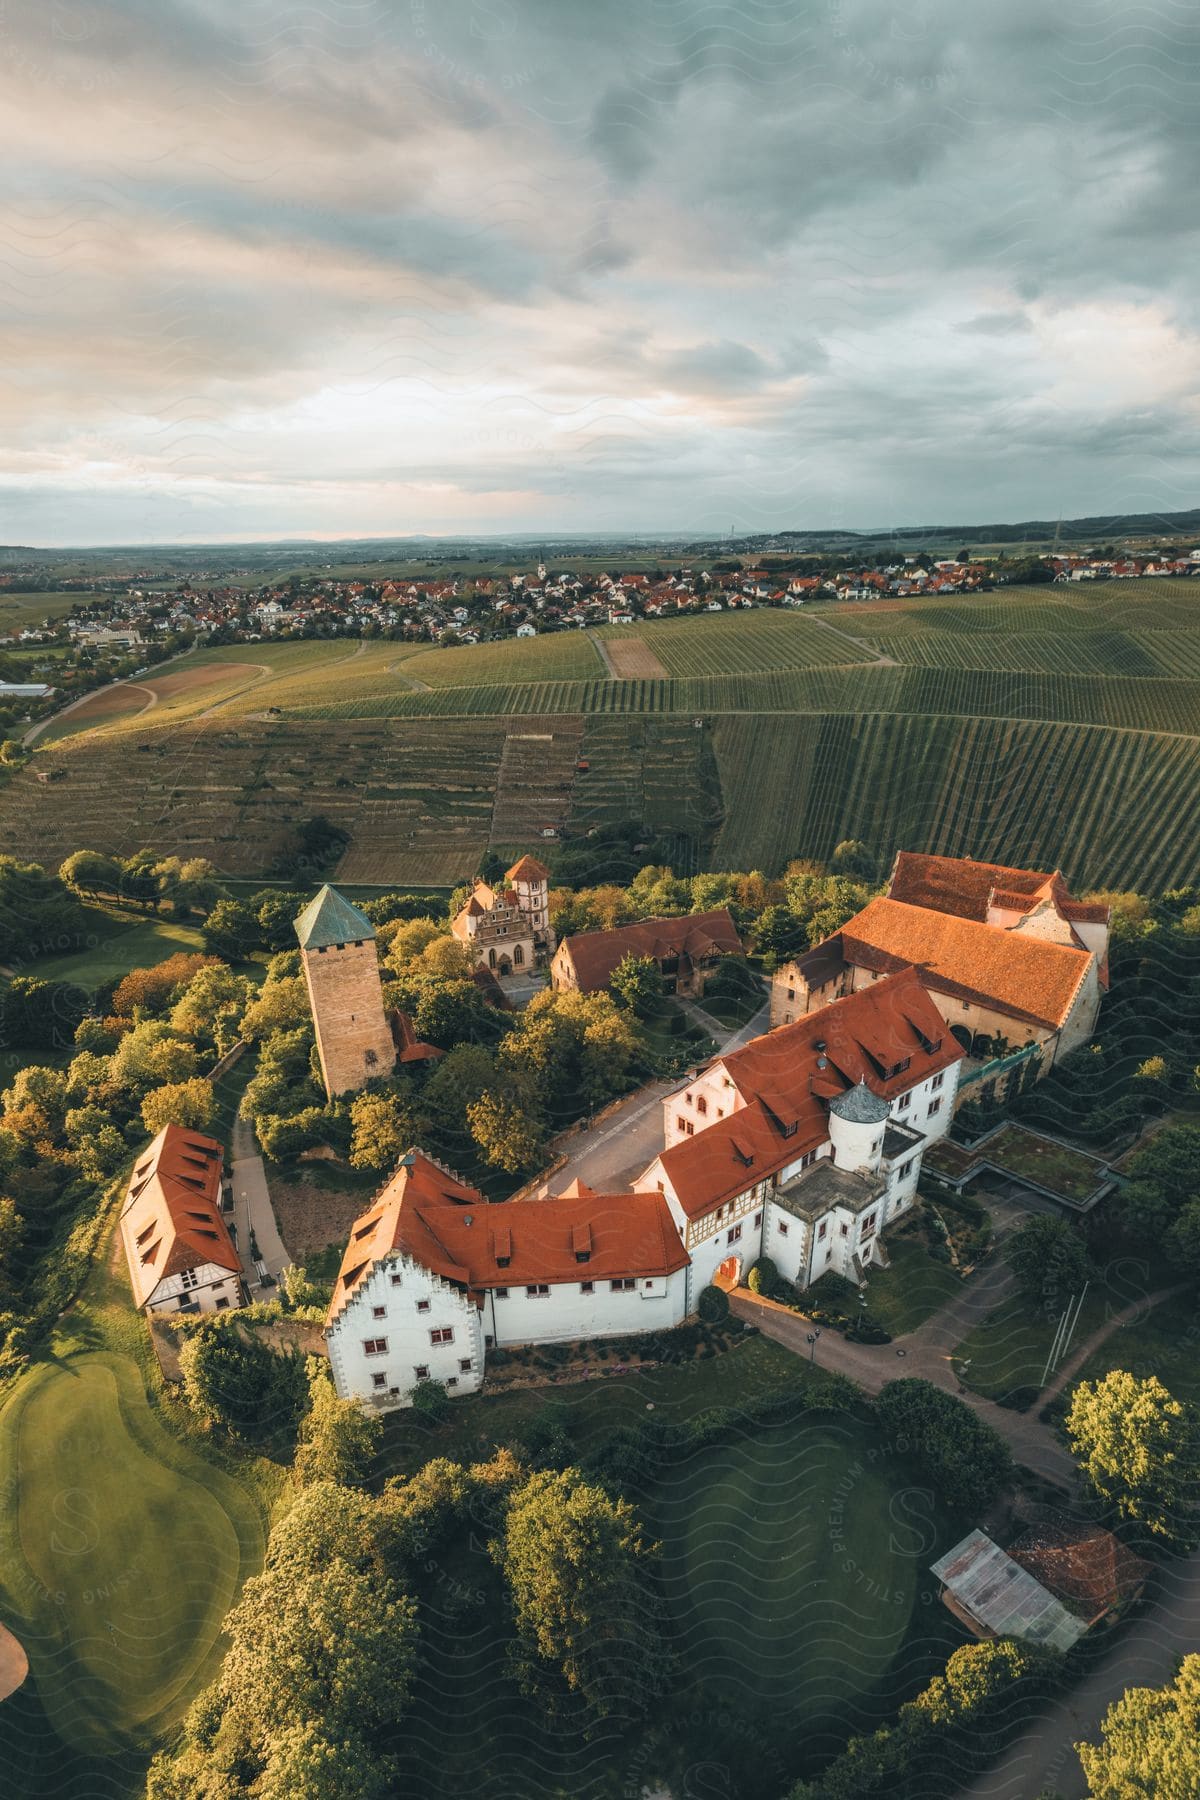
{"x":1026,"y":977}
{"x":957,"y":884}
{"x":453,"y":1230}
{"x":595,"y":954}
{"x":1004,"y":1597}
{"x":788,"y":1078}
{"x":171,"y":1218}
{"x":1085,"y":1565}
{"x":329,"y":919}
{"x":409,"y":1047}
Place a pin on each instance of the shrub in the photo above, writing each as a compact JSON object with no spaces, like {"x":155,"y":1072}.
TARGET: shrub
{"x":763,"y":1277}
{"x":962,"y":1455}
{"x":713,"y":1305}
{"x":431,"y":1402}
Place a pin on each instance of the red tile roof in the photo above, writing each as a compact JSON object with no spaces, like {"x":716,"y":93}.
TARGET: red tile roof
{"x":1086,"y":1566}
{"x":595,"y":954}
{"x":409,"y":1047}
{"x":528,"y":868}
{"x":953,"y":884}
{"x":1027,"y":978}
{"x":451,"y":1229}
{"x":783,"y":1077}
{"x":171,"y":1219}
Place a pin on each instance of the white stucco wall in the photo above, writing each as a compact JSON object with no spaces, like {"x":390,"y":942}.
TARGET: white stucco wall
{"x":212,"y":1284}
{"x":412,"y":1303}
{"x":567,"y":1312}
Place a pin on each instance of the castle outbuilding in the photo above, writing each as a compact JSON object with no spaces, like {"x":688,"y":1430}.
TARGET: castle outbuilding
{"x":341,"y":968}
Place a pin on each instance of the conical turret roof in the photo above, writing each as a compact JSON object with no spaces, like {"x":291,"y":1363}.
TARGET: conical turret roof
{"x":859,"y":1106}
{"x":329,"y":919}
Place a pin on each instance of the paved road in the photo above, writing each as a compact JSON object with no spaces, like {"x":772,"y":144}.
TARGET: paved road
{"x":252,"y":1209}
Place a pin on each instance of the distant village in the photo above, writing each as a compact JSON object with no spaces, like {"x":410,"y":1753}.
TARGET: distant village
{"x":124,"y":613}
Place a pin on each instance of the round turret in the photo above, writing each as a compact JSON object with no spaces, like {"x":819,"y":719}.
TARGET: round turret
{"x":856,"y":1121}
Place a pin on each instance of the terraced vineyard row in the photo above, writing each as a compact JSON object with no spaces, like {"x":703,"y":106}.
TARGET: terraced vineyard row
{"x":1080,"y":652}
{"x":559,"y":656}
{"x":753,"y":641}
{"x":1131,"y":702}
{"x":1116,"y":809}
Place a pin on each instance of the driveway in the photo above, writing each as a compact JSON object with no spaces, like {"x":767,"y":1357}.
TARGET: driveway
{"x":609,"y":1157}
{"x":253,"y":1210}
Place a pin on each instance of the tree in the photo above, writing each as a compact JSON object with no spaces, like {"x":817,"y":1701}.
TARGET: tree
{"x":1183,"y":1240}
{"x":232,"y":930}
{"x":280,"y":1005}
{"x":637,"y":983}
{"x":406,"y":939}
{"x":210,"y":1008}
{"x":1140,"y":1450}
{"x":778,"y":932}
{"x":384,"y":1123}
{"x":1049,"y":1258}
{"x":150,"y":1055}
{"x":452,"y":1012}
{"x":579,"y":1572}
{"x":149,"y":990}
{"x":338,"y":1440}
{"x":1170,"y":1164}
{"x":851,"y":857}
{"x":191,"y":1104}
{"x":507,"y":1131}
{"x":1150,"y":1743}
{"x":965,"y":1458}
{"x":42,"y":1015}
{"x":89,"y":873}
{"x":233,"y":1380}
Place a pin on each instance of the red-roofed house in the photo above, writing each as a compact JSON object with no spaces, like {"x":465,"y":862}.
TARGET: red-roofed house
{"x":434,"y":1275}
{"x":686,"y":949}
{"x":804,"y":1144}
{"x":181,"y":1257}
{"x":1013,"y":964}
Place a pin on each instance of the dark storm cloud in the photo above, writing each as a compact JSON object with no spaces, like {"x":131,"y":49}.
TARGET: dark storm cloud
{"x":635,"y":263}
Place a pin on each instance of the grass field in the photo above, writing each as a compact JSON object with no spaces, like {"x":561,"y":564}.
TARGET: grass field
{"x":912,"y":1289}
{"x":1163,"y":1342}
{"x":116,"y":940}
{"x":1052,"y":727}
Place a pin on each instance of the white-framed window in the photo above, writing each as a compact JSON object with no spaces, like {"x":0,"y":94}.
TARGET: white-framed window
{"x":423,"y":1305}
{"x":935,"y":1106}
{"x":537,"y":1290}
{"x":465,"y":1364}
{"x":625,"y":1284}
{"x":731,"y":1237}
{"x":500,"y":1293}
{"x":397,"y":1280}
{"x":379,"y":1381}
{"x":374,"y":1346}
{"x":904,"y":1102}
{"x":937,"y":1081}
{"x":422,"y":1371}
{"x":905,"y":1169}
{"x":587,"y":1287}
{"x":781,"y":1227}
{"x":442,"y":1334}
{"x":379,"y":1312}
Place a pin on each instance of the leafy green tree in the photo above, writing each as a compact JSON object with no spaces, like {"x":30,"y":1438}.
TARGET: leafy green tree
{"x":90,"y":873}
{"x":1150,"y":1743}
{"x":153,"y":990}
{"x":778,"y":932}
{"x":452,"y":1012}
{"x":232,"y":930}
{"x":966,"y":1458}
{"x":276,"y":912}
{"x":580,"y":1574}
{"x":637,"y":983}
{"x":507,"y":1131}
{"x":149,"y":1056}
{"x":1140,"y":1450}
{"x":210,"y":1008}
{"x":338,"y":1440}
{"x":281,"y":1004}
{"x":1049,"y":1258}
{"x":385,"y":1122}
{"x":233,"y":1380}
{"x":852,"y":857}
{"x":1183,"y":1241}
{"x":191,"y":1104}
{"x":41,"y":1015}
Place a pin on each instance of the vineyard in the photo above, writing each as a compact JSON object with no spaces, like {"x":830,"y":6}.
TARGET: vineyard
{"x":1052,"y":726}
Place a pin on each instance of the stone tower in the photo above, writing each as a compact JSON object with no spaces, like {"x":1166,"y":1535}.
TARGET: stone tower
{"x":337,"y":950}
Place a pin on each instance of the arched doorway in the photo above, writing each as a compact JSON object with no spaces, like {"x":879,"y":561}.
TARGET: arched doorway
{"x":729,"y":1275}
{"x":505,"y":966}
{"x":962,"y":1036}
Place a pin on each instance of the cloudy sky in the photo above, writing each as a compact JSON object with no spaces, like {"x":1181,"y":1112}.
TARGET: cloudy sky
{"x":351,"y":267}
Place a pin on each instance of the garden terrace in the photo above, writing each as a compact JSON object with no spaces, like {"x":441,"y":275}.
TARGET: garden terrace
{"x":1046,"y":1165}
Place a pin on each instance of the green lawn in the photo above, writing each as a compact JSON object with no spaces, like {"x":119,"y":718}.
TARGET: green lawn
{"x":1162,"y":1343}
{"x":677,"y":1392}
{"x":1008,"y":1349}
{"x":122,"y":1551}
{"x":911,"y":1290}
{"x":117,"y":939}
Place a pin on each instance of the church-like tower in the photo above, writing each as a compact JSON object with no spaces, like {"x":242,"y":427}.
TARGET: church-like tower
{"x":337,"y":950}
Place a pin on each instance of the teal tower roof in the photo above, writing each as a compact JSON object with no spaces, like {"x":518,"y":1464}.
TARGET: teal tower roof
{"x":329,"y":919}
